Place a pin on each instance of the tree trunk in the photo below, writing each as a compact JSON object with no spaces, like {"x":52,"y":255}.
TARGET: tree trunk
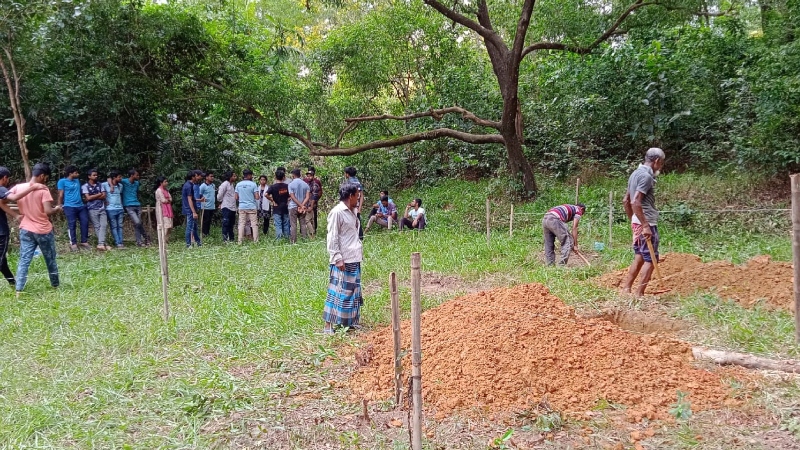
{"x":12,"y":84}
{"x":518,"y":165}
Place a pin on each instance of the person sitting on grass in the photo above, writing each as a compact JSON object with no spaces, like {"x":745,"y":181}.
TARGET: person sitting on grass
{"x":377,"y":204}
{"x":35,"y":229}
{"x":414,"y":216}
{"x":386,"y":215}
{"x":554,"y":226}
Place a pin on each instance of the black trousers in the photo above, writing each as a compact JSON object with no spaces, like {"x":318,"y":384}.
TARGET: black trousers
{"x":228,"y":219}
{"x":9,"y":276}
{"x":208,"y":216}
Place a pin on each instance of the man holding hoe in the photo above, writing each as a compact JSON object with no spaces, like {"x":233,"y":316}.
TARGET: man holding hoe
{"x":640,"y":206}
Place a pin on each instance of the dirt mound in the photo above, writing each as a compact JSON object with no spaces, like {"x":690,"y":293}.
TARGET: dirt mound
{"x":506,"y":349}
{"x":760,"y":278}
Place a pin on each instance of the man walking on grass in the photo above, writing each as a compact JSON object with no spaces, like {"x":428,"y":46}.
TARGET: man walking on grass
{"x":640,"y":206}
{"x":96,"y":206}
{"x":189,"y":209}
{"x":130,"y":201}
{"x":554,"y":224}
{"x":299,"y":201}
{"x":207,"y":189}
{"x":5,"y":211}
{"x":343,"y":301}
{"x":35,"y":229}
{"x":69,"y":197}
{"x":247,"y":197}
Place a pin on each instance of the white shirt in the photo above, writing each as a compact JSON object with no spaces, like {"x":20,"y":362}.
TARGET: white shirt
{"x":343,"y":242}
{"x":414,"y":213}
{"x":227,"y":196}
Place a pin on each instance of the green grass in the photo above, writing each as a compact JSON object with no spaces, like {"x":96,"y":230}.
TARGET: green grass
{"x":93,"y":364}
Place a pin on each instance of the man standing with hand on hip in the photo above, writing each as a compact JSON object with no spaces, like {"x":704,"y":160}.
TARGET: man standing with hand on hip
{"x":343,"y":301}
{"x":640,"y":206}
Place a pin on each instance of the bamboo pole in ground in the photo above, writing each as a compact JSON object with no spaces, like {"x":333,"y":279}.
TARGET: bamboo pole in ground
{"x":416,"y":353}
{"x":610,"y":217}
{"x":577,"y":190}
{"x":511,"y":222}
{"x":162,"y":253}
{"x":398,"y":366}
{"x":488,"y":221}
{"x":795,"y":181}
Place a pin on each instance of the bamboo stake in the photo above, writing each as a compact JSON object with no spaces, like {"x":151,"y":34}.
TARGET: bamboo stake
{"x":416,"y":353}
{"x":654,"y":258}
{"x":398,"y":366}
{"x":511,"y":222}
{"x":610,"y":217}
{"x":577,"y":189}
{"x":162,"y":253}
{"x":488,"y":222}
{"x":583,"y":258}
{"x":795,"y":181}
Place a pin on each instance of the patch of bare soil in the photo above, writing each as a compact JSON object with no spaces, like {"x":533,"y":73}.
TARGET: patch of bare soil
{"x":758,"y":279}
{"x":434,"y":284}
{"x":507,"y":349}
{"x":642,"y":322}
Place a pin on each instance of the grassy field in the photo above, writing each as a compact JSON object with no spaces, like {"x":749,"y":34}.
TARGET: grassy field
{"x":93,"y":364}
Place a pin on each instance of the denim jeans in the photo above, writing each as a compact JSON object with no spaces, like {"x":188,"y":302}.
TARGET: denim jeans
{"x":135,"y":213}
{"x":100,"y":224}
{"x":4,"y":260}
{"x":77,"y":214}
{"x":27,"y":246}
{"x":228,"y":218}
{"x":281,"y":225}
{"x":191,"y":228}
{"x":115,"y":223}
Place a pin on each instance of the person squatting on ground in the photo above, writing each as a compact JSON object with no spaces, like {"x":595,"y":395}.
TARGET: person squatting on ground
{"x":35,"y":229}
{"x":279,"y":195}
{"x":385,"y":215}
{"x":96,"y":206}
{"x":299,"y":201}
{"x":189,"y":207}
{"x":69,"y":197}
{"x":247,"y":197}
{"x":350,"y":176}
{"x":554,"y":225}
{"x":343,"y":301}
{"x":208,"y":205}
{"x":113,"y":190}
{"x":316,"y":194}
{"x":227,"y":198}
{"x":5,"y":211}
{"x":640,"y":206}
{"x":414,"y":216}
{"x":264,"y":205}
{"x":164,"y":213}
{"x":130,"y":202}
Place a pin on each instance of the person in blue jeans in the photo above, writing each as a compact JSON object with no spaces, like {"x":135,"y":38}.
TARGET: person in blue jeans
{"x":35,"y":229}
{"x":188,"y":207}
{"x":130,"y":202}
{"x":69,"y":197}
{"x":114,"y":210}
{"x":279,"y":195}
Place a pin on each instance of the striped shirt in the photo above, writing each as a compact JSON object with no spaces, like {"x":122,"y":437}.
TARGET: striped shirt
{"x":343,"y":242}
{"x":565,"y":212}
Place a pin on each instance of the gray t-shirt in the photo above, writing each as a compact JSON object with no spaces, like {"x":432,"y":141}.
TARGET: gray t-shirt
{"x":643,"y":180}
{"x":299,"y":189}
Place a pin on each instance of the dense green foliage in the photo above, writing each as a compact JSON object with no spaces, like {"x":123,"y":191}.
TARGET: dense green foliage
{"x":169,"y":87}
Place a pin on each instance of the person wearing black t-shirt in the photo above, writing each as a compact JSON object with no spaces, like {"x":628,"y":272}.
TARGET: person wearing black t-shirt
{"x":279,"y":195}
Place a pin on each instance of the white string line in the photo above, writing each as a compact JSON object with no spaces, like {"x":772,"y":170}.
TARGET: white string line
{"x":688,"y":211}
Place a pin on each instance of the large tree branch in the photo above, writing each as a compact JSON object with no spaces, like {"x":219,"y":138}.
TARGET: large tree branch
{"x":436,"y":114}
{"x":602,"y":38}
{"x":487,"y":34}
{"x":318,"y":149}
{"x":247,"y":107}
{"x":522,"y":29}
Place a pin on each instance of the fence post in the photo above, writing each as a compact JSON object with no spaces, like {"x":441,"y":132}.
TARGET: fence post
{"x":398,"y":366}
{"x":162,"y":253}
{"x":610,"y":217}
{"x":416,"y":353}
{"x":795,"y":181}
{"x":577,"y":189}
{"x":511,"y":222}
{"x":488,"y":222}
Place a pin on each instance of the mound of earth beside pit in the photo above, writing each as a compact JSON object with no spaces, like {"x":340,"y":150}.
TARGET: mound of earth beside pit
{"x":758,"y":279}
{"x":507,"y":349}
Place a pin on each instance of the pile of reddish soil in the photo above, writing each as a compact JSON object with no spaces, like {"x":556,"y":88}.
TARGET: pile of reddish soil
{"x":760,"y":278}
{"x":507,"y":349}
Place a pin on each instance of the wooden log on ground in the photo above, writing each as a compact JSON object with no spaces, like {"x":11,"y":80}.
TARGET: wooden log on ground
{"x":745,"y":360}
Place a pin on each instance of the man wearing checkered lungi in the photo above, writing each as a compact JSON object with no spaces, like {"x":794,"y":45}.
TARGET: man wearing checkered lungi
{"x":343,"y":301}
